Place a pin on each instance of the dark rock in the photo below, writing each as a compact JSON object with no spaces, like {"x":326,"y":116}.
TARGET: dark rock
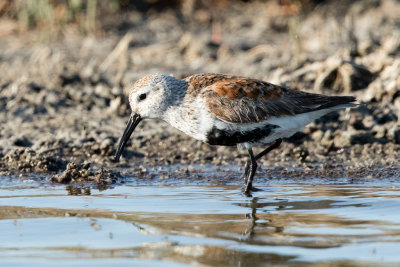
{"x":35,"y":87}
{"x":23,"y":142}
{"x":365,"y":138}
{"x":358,"y":125}
{"x":395,"y":134}
{"x":70,"y":79}
{"x":385,"y":118}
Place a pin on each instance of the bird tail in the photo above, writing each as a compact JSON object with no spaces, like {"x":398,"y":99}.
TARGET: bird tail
{"x":340,"y":102}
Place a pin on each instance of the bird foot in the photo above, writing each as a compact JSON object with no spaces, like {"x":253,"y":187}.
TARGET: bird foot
{"x":249,"y":189}
{"x":254,"y":189}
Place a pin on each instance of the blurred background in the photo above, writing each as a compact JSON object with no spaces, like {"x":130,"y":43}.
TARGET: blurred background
{"x":65,"y":66}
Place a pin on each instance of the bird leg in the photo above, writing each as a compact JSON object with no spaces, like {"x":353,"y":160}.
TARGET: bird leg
{"x":246,"y":171}
{"x":276,"y":144}
{"x":251,"y":165}
{"x":252,"y":170}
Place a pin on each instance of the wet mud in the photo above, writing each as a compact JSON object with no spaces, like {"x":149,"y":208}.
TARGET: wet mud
{"x":63,"y":104}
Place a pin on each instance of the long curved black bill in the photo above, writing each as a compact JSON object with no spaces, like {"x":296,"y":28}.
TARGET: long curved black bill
{"x":130,"y":127}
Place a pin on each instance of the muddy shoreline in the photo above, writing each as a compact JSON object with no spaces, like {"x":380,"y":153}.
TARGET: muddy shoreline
{"x":63,"y":104}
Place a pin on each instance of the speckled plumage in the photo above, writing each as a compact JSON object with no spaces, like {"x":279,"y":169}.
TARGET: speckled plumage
{"x":228,"y":110}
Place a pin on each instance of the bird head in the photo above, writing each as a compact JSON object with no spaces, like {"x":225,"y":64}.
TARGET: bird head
{"x":150,"y":97}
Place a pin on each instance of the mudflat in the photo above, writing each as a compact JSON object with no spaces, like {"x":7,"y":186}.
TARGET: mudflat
{"x":63,"y":103}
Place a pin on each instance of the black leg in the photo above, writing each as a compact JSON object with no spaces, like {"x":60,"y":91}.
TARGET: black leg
{"x":246,"y":171}
{"x":268,"y":149}
{"x":251,"y":165}
{"x":253,"y":168}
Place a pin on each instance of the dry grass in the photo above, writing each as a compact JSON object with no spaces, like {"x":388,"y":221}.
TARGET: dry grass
{"x":51,"y":17}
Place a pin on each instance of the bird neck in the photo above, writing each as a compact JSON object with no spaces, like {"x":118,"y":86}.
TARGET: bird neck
{"x":174,"y":96}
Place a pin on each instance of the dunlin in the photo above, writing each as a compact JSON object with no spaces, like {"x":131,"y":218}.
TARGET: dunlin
{"x":227,"y":110}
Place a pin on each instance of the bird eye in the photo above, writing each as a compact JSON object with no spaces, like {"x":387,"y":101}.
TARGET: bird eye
{"x":142,"y":97}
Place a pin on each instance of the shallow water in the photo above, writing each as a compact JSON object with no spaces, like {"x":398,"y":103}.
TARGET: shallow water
{"x":308,"y":222}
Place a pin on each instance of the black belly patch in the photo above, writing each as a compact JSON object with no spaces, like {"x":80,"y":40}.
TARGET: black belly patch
{"x":231,"y":138}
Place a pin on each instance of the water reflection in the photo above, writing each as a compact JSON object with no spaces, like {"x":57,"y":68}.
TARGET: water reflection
{"x":205,"y":225}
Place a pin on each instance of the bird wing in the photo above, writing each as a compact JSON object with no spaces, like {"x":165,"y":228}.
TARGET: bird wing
{"x":241,"y":100}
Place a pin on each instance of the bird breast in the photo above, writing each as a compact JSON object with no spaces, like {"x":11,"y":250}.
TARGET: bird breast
{"x":190,"y":119}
